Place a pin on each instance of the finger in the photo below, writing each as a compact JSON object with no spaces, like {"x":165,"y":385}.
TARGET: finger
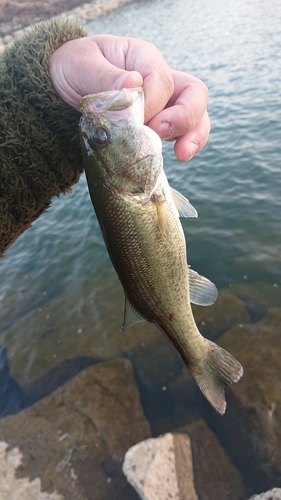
{"x":129,"y":62}
{"x":189,"y":144}
{"x":158,"y":83}
{"x":157,"y":90}
{"x":80,"y":67}
{"x":106,"y":62}
{"x":184,"y":110}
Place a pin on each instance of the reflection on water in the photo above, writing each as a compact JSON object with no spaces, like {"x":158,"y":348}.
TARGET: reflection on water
{"x":59,"y":296}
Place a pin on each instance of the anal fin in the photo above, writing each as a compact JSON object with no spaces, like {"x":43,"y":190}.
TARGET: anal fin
{"x":131,"y":316}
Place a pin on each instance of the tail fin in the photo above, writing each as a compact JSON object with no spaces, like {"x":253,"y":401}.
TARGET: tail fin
{"x":220,"y":369}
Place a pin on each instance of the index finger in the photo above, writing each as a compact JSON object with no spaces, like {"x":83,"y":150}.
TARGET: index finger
{"x":158,"y":82}
{"x":185,"y":108}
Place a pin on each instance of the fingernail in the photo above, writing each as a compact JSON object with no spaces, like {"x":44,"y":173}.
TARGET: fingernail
{"x":120,"y":80}
{"x":193,"y":149}
{"x":166,"y":130}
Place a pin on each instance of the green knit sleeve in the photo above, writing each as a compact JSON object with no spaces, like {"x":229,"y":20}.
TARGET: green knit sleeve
{"x":39,"y":147}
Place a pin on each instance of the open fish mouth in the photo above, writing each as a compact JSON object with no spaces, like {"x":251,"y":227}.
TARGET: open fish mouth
{"x":114,"y":105}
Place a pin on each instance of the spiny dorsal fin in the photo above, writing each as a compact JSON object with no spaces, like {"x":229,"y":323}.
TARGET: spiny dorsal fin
{"x":131,"y":316}
{"x":183,"y":206}
{"x":202,"y":291}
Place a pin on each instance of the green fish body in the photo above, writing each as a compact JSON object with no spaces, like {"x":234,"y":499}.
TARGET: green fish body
{"x":138,"y":213}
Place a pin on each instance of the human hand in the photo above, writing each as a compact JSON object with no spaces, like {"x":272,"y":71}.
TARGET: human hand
{"x":175,"y":102}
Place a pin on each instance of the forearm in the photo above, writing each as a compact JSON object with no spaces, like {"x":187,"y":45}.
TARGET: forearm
{"x":39,"y":147}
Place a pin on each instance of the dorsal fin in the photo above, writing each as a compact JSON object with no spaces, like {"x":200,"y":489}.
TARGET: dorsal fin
{"x":184,"y":207}
{"x":202,"y":291}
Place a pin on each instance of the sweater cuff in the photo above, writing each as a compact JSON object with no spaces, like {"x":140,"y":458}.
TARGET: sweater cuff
{"x":27,"y":67}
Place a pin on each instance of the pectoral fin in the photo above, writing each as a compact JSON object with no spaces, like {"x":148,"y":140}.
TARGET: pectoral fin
{"x":131,"y":316}
{"x":183,"y":206}
{"x":159,"y":200}
{"x":201,"y":290}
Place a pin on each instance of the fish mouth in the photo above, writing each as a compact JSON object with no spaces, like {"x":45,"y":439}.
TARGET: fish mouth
{"x":115,"y":105}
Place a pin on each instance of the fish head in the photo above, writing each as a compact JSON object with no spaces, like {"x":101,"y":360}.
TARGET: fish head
{"x":117,"y":147}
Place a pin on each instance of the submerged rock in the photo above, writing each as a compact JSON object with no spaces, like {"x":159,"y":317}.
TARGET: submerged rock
{"x":83,"y":323}
{"x":236,"y":305}
{"x":74,"y":440}
{"x":84,"y":320}
{"x":227,"y":311}
{"x":254,"y":409}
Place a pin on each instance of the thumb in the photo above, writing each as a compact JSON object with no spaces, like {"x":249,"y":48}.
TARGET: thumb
{"x":129,"y":79}
{"x":105,"y":76}
{"x":79,"y":67}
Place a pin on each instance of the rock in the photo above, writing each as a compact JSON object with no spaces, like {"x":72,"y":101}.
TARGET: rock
{"x":85,"y":320}
{"x":11,"y":393}
{"x":157,"y":366}
{"x":18,"y":489}
{"x":90,"y":11}
{"x":30,"y":12}
{"x":215,"y":476}
{"x":184,"y":465}
{"x":244,"y":303}
{"x":254,"y":404}
{"x":264,"y":293}
{"x":81,"y":320}
{"x":227,"y":311}
{"x":161,"y":468}
{"x":74,"y":440}
{"x":274,"y":494}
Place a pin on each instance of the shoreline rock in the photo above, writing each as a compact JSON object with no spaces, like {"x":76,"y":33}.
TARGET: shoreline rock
{"x":274,"y":494}
{"x":82,"y":13}
{"x":75,"y":440}
{"x":254,"y":410}
{"x":151,"y":468}
{"x":18,"y":489}
{"x":187,"y":463}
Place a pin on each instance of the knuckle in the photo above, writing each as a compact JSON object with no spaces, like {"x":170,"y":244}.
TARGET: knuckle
{"x":168,"y":84}
{"x":204,"y":90}
{"x":191,"y":117}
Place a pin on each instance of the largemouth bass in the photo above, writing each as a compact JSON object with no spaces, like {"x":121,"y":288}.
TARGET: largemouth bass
{"x":138,"y":213}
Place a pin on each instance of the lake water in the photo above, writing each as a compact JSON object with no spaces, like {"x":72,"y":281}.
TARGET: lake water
{"x":234,"y":182}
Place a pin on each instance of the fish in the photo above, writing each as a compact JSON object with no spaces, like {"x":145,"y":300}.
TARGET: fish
{"x":139,"y":216}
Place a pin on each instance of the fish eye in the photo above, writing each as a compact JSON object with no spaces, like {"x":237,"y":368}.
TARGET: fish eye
{"x":101,"y":135}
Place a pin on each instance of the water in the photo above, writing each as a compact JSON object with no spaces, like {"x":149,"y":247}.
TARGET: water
{"x":234,"y":183}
